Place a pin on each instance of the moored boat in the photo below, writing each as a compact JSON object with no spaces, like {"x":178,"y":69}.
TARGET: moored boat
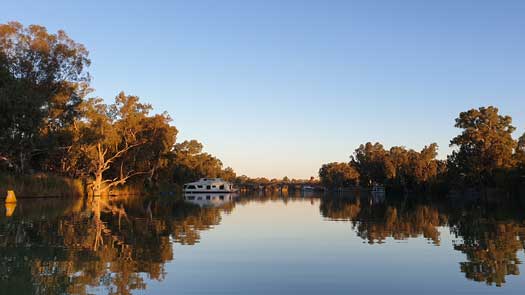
{"x":209,"y":185}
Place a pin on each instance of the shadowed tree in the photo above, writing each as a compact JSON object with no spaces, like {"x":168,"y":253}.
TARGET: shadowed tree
{"x":43,"y":79}
{"x":520,"y":152}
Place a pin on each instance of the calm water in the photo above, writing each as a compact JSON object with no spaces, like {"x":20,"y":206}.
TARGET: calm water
{"x":260,"y":244}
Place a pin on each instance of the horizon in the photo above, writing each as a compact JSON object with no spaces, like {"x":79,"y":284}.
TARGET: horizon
{"x":313,"y":83}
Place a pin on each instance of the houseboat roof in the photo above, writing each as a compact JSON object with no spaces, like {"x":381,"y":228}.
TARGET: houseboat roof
{"x":208,"y":181}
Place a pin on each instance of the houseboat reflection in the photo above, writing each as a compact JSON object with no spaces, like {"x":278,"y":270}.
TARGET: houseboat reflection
{"x":210,"y":199}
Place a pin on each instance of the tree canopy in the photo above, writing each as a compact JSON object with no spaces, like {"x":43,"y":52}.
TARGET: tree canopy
{"x":336,"y":175}
{"x":43,"y":79}
{"x":484,"y":145}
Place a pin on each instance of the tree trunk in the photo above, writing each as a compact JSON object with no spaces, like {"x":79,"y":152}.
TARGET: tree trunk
{"x":97,"y":183}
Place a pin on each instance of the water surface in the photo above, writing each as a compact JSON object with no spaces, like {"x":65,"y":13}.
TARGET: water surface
{"x":261,"y":244}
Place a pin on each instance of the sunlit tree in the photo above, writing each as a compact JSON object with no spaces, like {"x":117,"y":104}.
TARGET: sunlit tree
{"x":484,"y":145}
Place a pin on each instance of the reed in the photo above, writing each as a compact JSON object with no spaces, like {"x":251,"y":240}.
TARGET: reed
{"x":40,"y":185}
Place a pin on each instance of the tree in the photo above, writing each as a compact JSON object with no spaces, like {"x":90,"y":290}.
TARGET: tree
{"x":371,"y":163}
{"x":426,"y":165}
{"x":154,"y":155}
{"x":118,"y":141}
{"x":43,"y":79}
{"x":336,"y":175}
{"x":484,"y":145}
{"x":191,"y":163}
{"x":228,"y":174}
{"x":397,"y":167}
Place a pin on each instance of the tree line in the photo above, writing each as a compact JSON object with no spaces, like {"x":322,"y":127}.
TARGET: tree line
{"x":485,"y":155}
{"x":49,"y":122}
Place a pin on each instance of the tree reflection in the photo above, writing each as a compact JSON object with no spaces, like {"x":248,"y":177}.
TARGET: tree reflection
{"x":113,"y":244}
{"x":490,"y":235}
{"x":59,"y":247}
{"x":490,"y":241}
{"x":375,"y":221}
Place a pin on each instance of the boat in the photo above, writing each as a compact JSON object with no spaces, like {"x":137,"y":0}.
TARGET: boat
{"x":209,"y":185}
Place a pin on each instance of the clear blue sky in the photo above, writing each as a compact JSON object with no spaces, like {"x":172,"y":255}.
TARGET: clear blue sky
{"x":277,"y":88}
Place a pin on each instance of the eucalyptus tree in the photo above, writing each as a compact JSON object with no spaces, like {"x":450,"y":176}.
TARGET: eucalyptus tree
{"x":484,"y":145}
{"x":397,"y":166}
{"x":338,"y":175}
{"x":43,"y":78}
{"x":192,"y":163}
{"x":228,"y":174}
{"x":119,"y":141}
{"x":371,"y":163}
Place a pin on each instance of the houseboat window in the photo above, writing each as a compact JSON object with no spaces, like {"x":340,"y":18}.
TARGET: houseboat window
{"x":199,"y":198}
{"x":222,"y":186}
{"x":213,"y":186}
{"x":208,"y":187}
{"x":207,"y":197}
{"x":221,"y":197}
{"x":199,"y":186}
{"x":191,"y":186}
{"x":191,"y":198}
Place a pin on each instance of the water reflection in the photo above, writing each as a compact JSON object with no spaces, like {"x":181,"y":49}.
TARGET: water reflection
{"x":9,"y":209}
{"x":490,"y":235}
{"x":119,"y":245}
{"x":210,"y":200}
{"x":375,"y":220}
{"x":70,"y":247}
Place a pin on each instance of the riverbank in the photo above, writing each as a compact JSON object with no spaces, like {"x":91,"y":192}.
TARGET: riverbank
{"x":41,"y":185}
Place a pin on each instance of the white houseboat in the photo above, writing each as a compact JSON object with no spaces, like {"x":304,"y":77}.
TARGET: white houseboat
{"x":209,"y":185}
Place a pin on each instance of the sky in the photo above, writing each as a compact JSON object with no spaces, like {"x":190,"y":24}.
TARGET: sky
{"x":277,"y":88}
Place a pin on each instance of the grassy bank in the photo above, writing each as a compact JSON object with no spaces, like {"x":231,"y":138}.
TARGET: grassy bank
{"x":40,"y":185}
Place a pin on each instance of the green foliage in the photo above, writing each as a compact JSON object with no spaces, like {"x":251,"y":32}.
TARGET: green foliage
{"x":191,"y":163}
{"x":370,"y":160}
{"x":43,"y":79}
{"x":484,"y":146}
{"x":396,"y":167}
{"x":228,"y":174}
{"x":118,"y":141}
{"x":337,"y":175}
